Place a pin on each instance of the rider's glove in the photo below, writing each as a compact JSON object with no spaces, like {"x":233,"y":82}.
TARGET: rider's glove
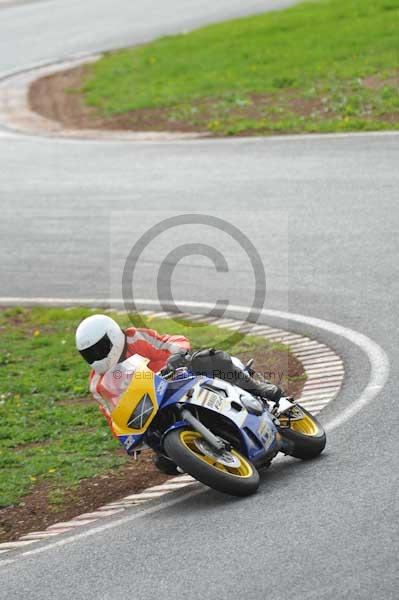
{"x":175,"y":361}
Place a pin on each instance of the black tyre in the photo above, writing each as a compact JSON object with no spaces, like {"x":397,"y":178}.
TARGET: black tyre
{"x":230,"y":473}
{"x":306,"y":436}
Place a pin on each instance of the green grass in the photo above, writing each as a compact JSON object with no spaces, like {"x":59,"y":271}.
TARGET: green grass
{"x":306,"y":68}
{"x":44,"y":436}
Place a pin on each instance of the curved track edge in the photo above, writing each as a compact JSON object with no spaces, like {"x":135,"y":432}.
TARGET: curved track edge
{"x":325,"y":373}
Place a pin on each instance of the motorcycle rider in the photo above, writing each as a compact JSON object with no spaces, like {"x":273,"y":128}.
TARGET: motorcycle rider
{"x":103,"y":344}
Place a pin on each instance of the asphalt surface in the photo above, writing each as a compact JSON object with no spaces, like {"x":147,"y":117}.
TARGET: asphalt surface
{"x":322,"y":213}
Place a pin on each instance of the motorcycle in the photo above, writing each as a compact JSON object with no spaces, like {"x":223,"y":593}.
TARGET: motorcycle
{"x":215,"y":431}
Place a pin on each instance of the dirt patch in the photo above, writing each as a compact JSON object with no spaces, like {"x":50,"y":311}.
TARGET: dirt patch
{"x":84,"y":401}
{"x":58,"y":97}
{"x":40,"y":509}
{"x":374,"y":82}
{"x":47,"y":504}
{"x":51,"y":97}
{"x":281,"y":368}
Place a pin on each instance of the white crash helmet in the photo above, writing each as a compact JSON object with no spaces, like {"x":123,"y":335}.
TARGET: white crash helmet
{"x":100,"y":341}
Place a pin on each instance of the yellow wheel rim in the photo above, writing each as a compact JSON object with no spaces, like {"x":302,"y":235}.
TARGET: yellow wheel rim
{"x":244,"y":469}
{"x":306,"y":426}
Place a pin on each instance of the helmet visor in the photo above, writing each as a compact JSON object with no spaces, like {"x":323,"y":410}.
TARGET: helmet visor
{"x":98,"y":351}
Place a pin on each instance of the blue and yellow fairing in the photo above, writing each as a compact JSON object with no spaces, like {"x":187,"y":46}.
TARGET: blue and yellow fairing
{"x":137,"y":407}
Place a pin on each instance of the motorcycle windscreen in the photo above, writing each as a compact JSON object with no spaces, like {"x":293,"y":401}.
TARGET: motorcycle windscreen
{"x":117,"y":380}
{"x":137,"y":406}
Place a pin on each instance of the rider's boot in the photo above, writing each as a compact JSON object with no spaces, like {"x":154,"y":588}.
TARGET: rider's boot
{"x":166,"y":465}
{"x":264,"y":389}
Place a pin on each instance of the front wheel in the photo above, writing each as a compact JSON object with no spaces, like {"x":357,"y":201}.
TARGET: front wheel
{"x":304,"y":434}
{"x":228,"y":472}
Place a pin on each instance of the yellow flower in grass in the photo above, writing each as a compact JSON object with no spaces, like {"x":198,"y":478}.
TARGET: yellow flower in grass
{"x":36,"y":333}
{"x":52,"y":470}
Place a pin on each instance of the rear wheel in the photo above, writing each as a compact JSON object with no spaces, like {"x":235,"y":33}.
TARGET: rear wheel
{"x":228,"y":472}
{"x":305,"y":435}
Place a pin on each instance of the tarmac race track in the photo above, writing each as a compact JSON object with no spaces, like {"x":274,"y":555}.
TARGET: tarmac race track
{"x":323,"y":214}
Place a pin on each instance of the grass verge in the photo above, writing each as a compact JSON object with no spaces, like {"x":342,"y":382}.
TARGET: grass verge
{"x":52,"y":435}
{"x":331,"y":65}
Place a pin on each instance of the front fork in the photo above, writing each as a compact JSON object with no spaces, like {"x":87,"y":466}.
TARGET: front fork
{"x":215,"y":442}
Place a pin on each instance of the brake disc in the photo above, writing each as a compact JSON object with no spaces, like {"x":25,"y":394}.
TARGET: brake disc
{"x":226,"y":458}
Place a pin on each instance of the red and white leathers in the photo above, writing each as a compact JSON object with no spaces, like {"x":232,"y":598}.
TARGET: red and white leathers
{"x":147,"y":343}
